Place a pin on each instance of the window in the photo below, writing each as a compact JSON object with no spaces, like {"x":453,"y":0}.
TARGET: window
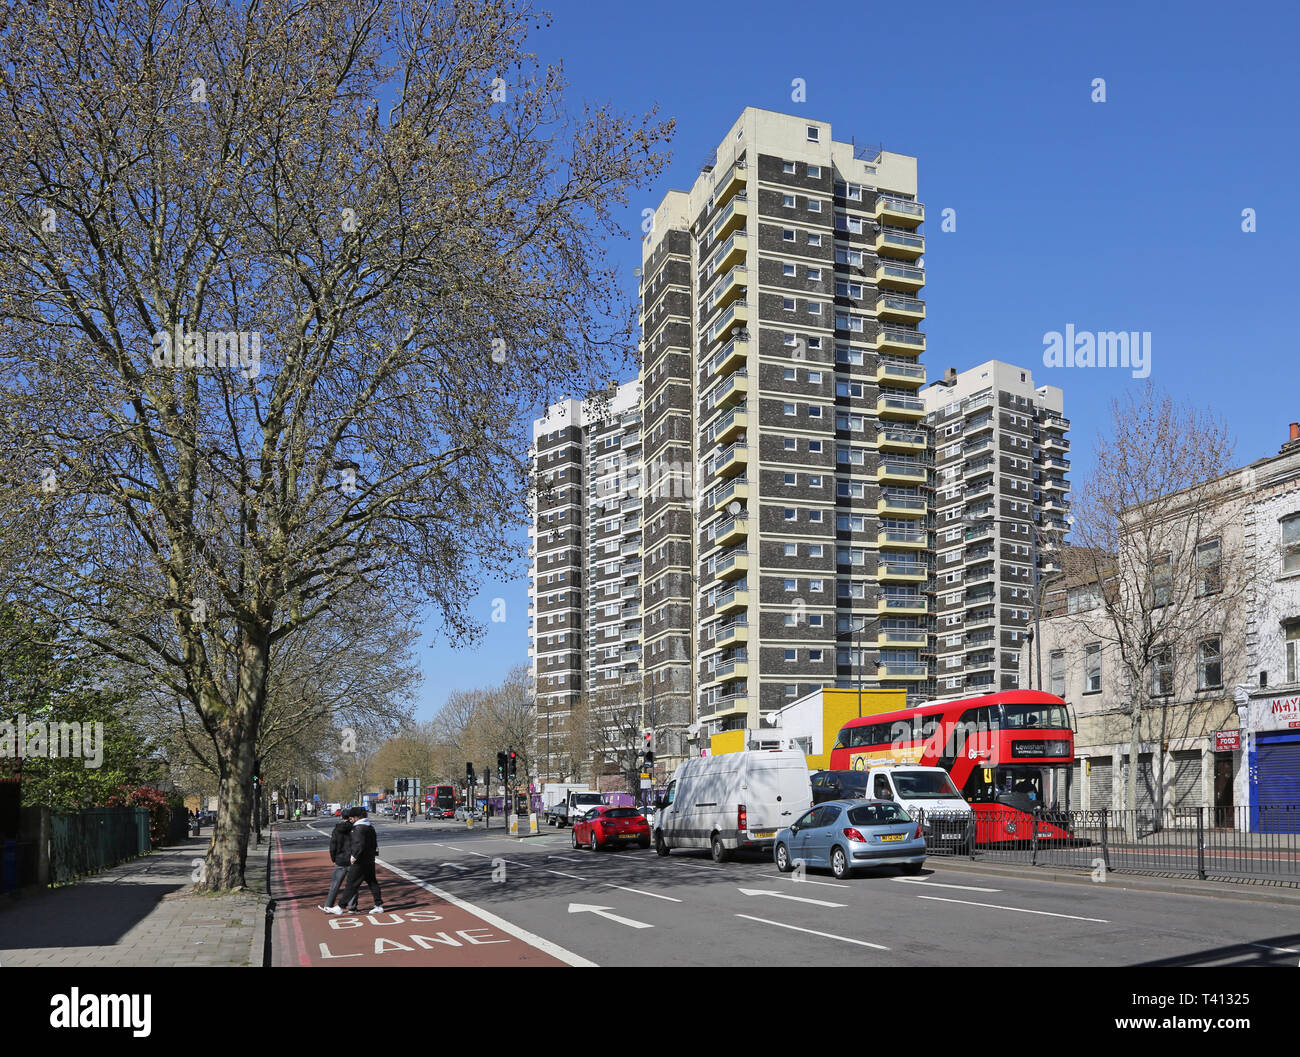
{"x":816,"y":620}
{"x":791,"y":479}
{"x":815,"y":516}
{"x":790,"y":374}
{"x":787,"y":166}
{"x":792,"y":585}
{"x":814,"y":240}
{"x":814,"y":205}
{"x":814,"y":480}
{"x":1291,"y":544}
{"x":814,"y":377}
{"x":1209,"y":668}
{"x":790,"y":620}
{"x":815,"y":550}
{"x":791,"y":513}
{"x":791,"y":550}
{"x":791,"y":656}
{"x":787,"y":303}
{"x":788,"y":409}
{"x":814,"y":585}
{"x":814,"y":309}
{"x":814,"y":136}
{"x":815,"y":656}
{"x":814,"y":411}
{"x":814,"y":171}
{"x":1161,"y":580}
{"x":788,"y":269}
{"x":790,"y":444}
{"x":814,"y":446}
{"x":1292,"y":633}
{"x":1162,"y":672}
{"x":787,"y":234}
{"x":1207,"y":568}
{"x":1092,"y":669}
{"x":787,"y":201}
{"x":814,"y":275}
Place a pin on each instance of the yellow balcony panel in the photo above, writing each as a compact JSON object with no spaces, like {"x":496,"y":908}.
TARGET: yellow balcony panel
{"x":902,"y":212}
{"x":901,"y":572}
{"x":729,"y":426}
{"x":901,"y":538}
{"x":732,"y":388}
{"x":731,"y":635}
{"x":890,"y":372}
{"x":895,"y":242}
{"x":900,"y":407}
{"x":731,"y":670}
{"x":735,"y":214}
{"x":898,"y":637}
{"x":730,"y":461}
{"x":892,"y":438}
{"x":733,"y":180}
{"x":898,"y":340}
{"x":730,"y":706}
{"x":902,"y":606}
{"x":731,"y":286}
{"x":899,"y":506}
{"x":733,"y":601}
{"x":732,"y":531}
{"x":732,"y":252}
{"x":736,"y":491}
{"x":892,"y":472}
{"x":900,"y":307}
{"x":918,"y":672}
{"x":899,"y":275}
{"x":729,"y":566}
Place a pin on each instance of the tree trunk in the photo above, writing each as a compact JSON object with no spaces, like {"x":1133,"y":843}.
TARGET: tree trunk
{"x":1134,"y":745}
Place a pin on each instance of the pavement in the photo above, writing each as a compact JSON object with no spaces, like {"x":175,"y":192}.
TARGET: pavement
{"x":140,"y":913}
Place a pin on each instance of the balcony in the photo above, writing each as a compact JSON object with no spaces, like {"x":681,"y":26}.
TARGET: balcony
{"x":899,"y":242}
{"x":630,"y":611}
{"x":732,"y":634}
{"x":982,"y":572}
{"x":733,"y":387}
{"x":735,"y":315}
{"x":899,"y":307}
{"x":982,"y":619}
{"x":631,"y":591}
{"x":980,"y":596}
{"x":904,"y":407}
{"x":1055,"y":462}
{"x":904,"y":671}
{"x":979,"y":424}
{"x":897,"y":373}
{"x":630,"y":547}
{"x":631,"y":631}
{"x":900,"y":340}
{"x":1055,"y":484}
{"x":899,"y":637}
{"x":630,"y":505}
{"x":890,"y":209}
{"x":729,"y":357}
{"x":732,"y":252}
{"x":735,"y":214}
{"x":978,"y":489}
{"x":1054,"y":505}
{"x":729,"y":461}
{"x":729,"y":564}
{"x":732,"y":181}
{"x":900,"y":538}
{"x":902,"y":605}
{"x":630,"y":569}
{"x":901,"y":506}
{"x":736,"y":489}
{"x":974,"y":447}
{"x":734,"y":599}
{"x":895,"y":275}
{"x":901,"y":572}
{"x":727,"y":289}
{"x":894,"y":438}
{"x":898,"y":471}
{"x":728,"y":426}
{"x":728,"y":704}
{"x":731,"y":531}
{"x":1055,"y":422}
{"x":733,"y":669}
{"x":1052,"y":444}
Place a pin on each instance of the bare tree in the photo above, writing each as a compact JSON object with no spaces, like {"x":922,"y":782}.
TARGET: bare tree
{"x":1157,"y":529}
{"x":279,"y":286}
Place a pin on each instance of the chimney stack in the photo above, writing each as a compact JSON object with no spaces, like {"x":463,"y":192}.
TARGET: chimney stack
{"x":1295,"y":430}
{"x":950,"y":377}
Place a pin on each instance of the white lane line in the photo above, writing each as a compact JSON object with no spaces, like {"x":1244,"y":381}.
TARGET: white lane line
{"x":1018,"y":910}
{"x":814,"y":932}
{"x":561,"y":873}
{"x":810,"y":881}
{"x":782,"y":895}
{"x":936,"y":884}
{"x":652,"y":895}
{"x":553,"y":949}
{"x":566,"y":858}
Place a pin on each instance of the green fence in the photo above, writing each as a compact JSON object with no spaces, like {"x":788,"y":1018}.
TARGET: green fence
{"x":95,"y":839}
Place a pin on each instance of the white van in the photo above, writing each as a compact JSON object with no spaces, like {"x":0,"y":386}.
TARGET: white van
{"x":949,"y":820}
{"x":736,"y":800}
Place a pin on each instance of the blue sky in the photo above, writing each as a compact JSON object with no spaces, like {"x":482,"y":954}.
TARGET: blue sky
{"x":1116,"y":215}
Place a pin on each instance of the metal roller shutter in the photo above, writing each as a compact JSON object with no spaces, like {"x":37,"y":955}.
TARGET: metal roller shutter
{"x":1100,"y":783}
{"x":1278,"y":758}
{"x":1187,"y":780}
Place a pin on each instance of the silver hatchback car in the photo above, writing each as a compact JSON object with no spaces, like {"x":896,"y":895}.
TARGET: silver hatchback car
{"x":846,"y":835}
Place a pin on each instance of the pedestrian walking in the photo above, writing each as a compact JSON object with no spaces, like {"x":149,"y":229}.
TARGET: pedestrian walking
{"x":363,"y":847}
{"x":341,"y":856}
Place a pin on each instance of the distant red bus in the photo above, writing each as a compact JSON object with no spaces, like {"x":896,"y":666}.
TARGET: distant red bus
{"x":1009,"y":753}
{"x":442,"y":797}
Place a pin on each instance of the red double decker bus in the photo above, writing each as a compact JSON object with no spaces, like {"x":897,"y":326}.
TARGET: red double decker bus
{"x":1009,"y":753}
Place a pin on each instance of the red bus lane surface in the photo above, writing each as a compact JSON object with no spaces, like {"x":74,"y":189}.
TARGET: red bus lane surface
{"x":419,"y":926}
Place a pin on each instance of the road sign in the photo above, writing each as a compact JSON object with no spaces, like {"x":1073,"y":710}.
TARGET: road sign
{"x":645,"y":783}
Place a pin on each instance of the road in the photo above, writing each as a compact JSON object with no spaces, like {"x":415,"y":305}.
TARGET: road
{"x":458,"y":897}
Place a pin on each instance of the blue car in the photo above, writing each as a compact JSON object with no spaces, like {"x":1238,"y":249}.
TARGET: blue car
{"x":847,"y":835}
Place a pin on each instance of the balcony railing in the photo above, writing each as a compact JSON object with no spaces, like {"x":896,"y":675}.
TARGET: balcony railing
{"x":724,"y":388}
{"x":901,"y":237}
{"x":898,"y":270}
{"x":900,"y":536}
{"x":900,"y":403}
{"x":902,"y":436}
{"x":720,"y":357}
{"x":902,"y":335}
{"x":899,"y":205}
{"x":723,"y":457}
{"x":901,"y":569}
{"x":903,"y":502}
{"x":724,"y":423}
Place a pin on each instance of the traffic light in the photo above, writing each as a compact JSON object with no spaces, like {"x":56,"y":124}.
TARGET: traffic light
{"x":401,"y":787}
{"x":501,"y":765}
{"x":257,"y":772}
{"x":649,"y":748}
{"x":513,"y":757}
{"x":469,"y":774}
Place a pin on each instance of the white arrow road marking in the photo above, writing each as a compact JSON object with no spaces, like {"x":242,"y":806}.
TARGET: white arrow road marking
{"x":814,"y":932}
{"x":583,"y":908}
{"x":652,"y":895}
{"x":782,"y":895}
{"x":1018,"y":910}
{"x":455,"y":866}
{"x":936,"y":884}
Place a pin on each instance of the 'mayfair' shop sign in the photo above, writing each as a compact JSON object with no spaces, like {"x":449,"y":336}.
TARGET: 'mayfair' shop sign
{"x":1275,"y":713}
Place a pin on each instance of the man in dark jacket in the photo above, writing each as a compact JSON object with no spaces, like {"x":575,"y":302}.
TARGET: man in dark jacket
{"x":363,"y":847}
{"x":341,"y":854}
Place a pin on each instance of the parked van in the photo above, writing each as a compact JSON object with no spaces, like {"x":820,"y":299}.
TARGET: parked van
{"x":735,"y":800}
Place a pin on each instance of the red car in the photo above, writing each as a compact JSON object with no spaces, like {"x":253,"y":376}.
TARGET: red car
{"x":604,"y":827}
